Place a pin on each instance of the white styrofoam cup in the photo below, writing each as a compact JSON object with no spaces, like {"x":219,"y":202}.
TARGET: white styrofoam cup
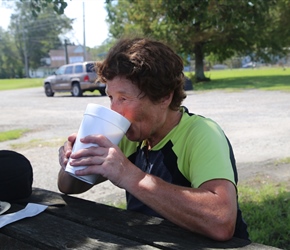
{"x":98,"y":119}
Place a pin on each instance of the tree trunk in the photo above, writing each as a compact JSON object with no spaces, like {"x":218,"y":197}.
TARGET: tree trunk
{"x":199,"y":65}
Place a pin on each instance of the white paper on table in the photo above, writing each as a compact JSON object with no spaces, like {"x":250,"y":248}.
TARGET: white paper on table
{"x":30,"y":210}
{"x":4,"y":206}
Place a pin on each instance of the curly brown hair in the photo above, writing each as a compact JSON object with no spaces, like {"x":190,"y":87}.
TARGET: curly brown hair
{"x":151,"y":65}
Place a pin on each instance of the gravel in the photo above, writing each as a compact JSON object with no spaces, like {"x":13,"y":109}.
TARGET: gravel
{"x":256,"y":122}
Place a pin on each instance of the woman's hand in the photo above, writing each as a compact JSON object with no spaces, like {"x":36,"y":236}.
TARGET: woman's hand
{"x":67,"y":183}
{"x":106,"y":160}
{"x":65,"y":151}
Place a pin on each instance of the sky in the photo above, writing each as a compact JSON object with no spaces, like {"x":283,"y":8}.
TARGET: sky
{"x":96,"y":28}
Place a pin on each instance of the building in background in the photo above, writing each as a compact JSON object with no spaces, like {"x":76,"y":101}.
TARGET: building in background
{"x":59,"y":57}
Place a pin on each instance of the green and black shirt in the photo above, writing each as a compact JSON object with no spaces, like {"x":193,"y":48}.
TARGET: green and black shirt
{"x":193,"y":152}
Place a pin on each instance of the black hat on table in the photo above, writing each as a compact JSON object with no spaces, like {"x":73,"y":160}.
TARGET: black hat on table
{"x":16,"y":176}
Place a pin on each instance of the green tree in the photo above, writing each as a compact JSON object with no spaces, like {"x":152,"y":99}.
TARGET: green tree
{"x":35,"y":36}
{"x":194,"y":27}
{"x":10,"y":61}
{"x":99,"y":52}
{"x":37,"y":6}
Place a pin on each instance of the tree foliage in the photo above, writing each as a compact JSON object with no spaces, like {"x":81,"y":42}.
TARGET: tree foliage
{"x":99,"y":52}
{"x":37,"y":6}
{"x":194,"y":27}
{"x":35,"y":36}
{"x":10,"y":61}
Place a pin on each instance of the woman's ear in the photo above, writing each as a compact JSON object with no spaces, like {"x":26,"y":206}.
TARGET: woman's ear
{"x":166,"y":100}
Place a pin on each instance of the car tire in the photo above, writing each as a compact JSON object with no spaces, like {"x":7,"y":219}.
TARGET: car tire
{"x":48,"y":91}
{"x":76,"y":90}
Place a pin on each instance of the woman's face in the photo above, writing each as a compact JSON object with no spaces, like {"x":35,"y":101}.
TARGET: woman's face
{"x":147,"y":118}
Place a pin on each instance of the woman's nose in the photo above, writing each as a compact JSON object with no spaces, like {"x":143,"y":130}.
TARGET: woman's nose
{"x":116,"y":108}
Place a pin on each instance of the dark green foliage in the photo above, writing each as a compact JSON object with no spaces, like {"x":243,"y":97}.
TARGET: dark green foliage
{"x":198,"y":28}
{"x":38,"y":5}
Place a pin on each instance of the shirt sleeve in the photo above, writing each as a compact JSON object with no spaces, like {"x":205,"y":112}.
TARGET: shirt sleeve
{"x":206,"y":153}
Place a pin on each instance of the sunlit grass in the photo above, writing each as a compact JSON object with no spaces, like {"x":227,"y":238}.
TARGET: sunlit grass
{"x":236,"y":73}
{"x":38,"y":143}
{"x":6,"y":84}
{"x":240,"y":79}
{"x":12,"y":134}
{"x":283,"y":161}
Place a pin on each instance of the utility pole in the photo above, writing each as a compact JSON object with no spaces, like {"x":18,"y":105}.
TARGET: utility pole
{"x":84,"y":29}
{"x":65,"y":49}
{"x":25,"y":53}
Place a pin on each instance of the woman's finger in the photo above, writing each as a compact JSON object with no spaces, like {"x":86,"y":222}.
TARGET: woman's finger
{"x":100,"y":140}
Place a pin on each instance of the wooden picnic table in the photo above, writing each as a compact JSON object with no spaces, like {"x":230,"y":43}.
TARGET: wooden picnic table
{"x":74,"y":223}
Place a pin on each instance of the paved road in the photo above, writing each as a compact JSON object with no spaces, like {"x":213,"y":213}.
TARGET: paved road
{"x":256,"y":122}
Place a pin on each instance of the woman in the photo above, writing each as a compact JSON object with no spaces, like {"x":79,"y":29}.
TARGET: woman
{"x":172,"y":163}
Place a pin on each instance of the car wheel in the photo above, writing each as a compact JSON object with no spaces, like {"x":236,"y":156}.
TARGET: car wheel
{"x":103,"y":92}
{"x":48,"y":90}
{"x":76,"y":90}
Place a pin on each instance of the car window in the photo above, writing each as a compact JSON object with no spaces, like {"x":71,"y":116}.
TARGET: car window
{"x":90,"y":67}
{"x":60,"y":71}
{"x":68,"y":70}
{"x":79,"y":68}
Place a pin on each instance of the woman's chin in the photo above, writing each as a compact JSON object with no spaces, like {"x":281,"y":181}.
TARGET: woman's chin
{"x":130,"y":136}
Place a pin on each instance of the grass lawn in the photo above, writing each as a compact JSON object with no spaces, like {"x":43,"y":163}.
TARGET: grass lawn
{"x":12,"y":134}
{"x":264,"y":79}
{"x":266,"y":212}
{"x":6,"y":84}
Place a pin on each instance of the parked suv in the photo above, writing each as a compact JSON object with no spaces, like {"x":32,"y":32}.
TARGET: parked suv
{"x":75,"y":78}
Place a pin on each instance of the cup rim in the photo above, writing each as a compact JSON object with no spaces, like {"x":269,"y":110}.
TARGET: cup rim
{"x":103,"y":112}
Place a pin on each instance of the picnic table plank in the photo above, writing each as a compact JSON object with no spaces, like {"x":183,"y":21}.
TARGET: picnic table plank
{"x":52,"y":232}
{"x":8,"y":243}
{"x":130,"y":225}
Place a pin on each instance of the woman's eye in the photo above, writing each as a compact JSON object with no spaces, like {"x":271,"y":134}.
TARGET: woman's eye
{"x":121,"y":99}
